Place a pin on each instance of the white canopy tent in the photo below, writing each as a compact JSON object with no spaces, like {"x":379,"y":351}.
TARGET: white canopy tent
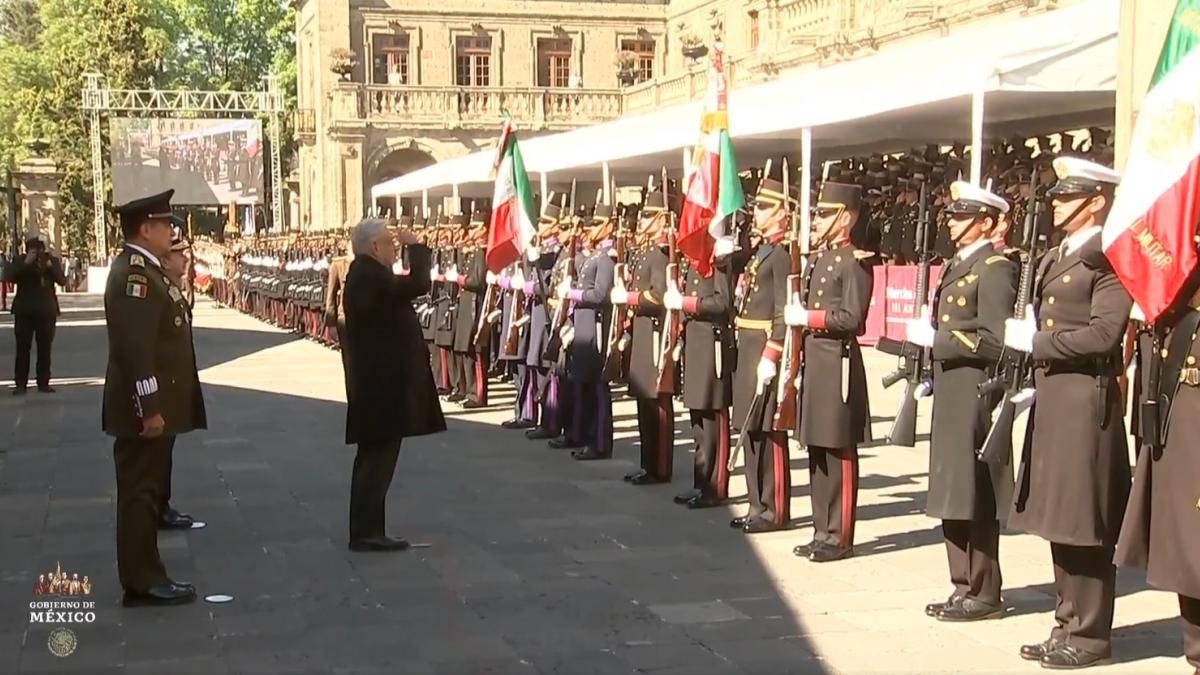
{"x":1059,"y":73}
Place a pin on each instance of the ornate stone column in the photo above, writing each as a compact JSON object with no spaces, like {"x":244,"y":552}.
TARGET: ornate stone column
{"x":37,"y":179}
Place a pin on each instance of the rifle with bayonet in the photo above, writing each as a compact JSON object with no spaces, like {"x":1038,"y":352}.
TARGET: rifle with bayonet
{"x":668,"y":355}
{"x":553,"y":350}
{"x":914,"y":359}
{"x":787,"y":384}
{"x":1014,"y":372}
{"x":613,"y":361}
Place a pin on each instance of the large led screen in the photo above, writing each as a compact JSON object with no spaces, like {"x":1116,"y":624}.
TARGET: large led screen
{"x":206,"y":161}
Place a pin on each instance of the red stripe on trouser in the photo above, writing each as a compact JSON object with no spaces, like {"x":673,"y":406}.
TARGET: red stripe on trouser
{"x":444,"y":365}
{"x":849,"y":459}
{"x":666,"y":434}
{"x":722,"y":468}
{"x":779,"y":456}
{"x":480,"y":380}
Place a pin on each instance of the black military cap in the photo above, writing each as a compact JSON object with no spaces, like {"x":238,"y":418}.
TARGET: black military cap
{"x":444,"y":221}
{"x":154,"y":207}
{"x":1078,"y":176}
{"x":458,"y":220}
{"x":406,"y":221}
{"x":178,"y":241}
{"x":602,"y":213}
{"x":653,"y":204}
{"x":480,"y":217}
{"x":839,"y":195}
{"x":770,"y":193}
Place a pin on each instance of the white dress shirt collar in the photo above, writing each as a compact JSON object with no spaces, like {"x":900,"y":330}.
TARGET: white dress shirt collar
{"x":1075,"y":241}
{"x":970,"y":249}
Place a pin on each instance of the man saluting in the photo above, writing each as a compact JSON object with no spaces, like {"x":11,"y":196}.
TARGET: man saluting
{"x":151,"y":393}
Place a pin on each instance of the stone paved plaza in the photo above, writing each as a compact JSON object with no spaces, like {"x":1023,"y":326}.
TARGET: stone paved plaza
{"x":535,"y":564}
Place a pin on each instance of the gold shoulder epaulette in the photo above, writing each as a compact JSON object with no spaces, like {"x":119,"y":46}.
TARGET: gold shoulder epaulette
{"x":995,"y":259}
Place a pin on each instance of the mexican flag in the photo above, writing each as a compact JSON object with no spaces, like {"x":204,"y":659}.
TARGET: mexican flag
{"x":513,"y":216}
{"x":713,"y":193}
{"x":1149,"y":233}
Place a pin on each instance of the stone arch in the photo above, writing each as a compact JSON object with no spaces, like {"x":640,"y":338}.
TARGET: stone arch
{"x":396,"y":157}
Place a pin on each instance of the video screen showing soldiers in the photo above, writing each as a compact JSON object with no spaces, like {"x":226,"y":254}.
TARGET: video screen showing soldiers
{"x":206,"y":161}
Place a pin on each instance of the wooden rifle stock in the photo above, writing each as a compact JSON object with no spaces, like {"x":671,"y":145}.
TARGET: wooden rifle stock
{"x":554,"y":344}
{"x":512,"y":338}
{"x":787,"y":387}
{"x":620,"y":317}
{"x":672,"y":323}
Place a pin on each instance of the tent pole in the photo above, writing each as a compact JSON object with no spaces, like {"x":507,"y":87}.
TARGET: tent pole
{"x":544,"y":190}
{"x":805,"y":187}
{"x":457,"y":205}
{"x":687,"y":170}
{"x":425,"y":202}
{"x":604,"y":176}
{"x":977,"y":137}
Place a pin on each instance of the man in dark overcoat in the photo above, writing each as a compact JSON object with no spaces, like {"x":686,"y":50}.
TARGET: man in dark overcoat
{"x":834,"y":414}
{"x":392,"y":395}
{"x":975,"y":295}
{"x":1074,"y":477}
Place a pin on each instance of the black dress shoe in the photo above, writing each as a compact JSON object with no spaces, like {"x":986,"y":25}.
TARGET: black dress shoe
{"x":739,"y":522}
{"x":589,"y":455}
{"x":1070,"y":657}
{"x":539,"y":434}
{"x":648,"y":479}
{"x":517,"y":423}
{"x":19,"y":391}
{"x":564,"y":443}
{"x":933,"y":608}
{"x":185,"y":585}
{"x":760,"y":525}
{"x":455,"y":398}
{"x":685,"y":497}
{"x":803,"y":550}
{"x":1037,"y":651}
{"x":378,"y":544}
{"x":174,"y":520}
{"x":826,"y":554}
{"x":442,"y":391}
{"x":472,"y":405}
{"x":160,"y":595}
{"x":970,"y":609}
{"x":46,"y":389}
{"x":634,"y":474}
{"x":705,"y":502}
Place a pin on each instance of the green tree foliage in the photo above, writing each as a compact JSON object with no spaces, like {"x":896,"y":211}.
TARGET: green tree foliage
{"x":46,"y":47}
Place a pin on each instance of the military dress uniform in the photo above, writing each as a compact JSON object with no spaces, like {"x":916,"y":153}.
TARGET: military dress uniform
{"x":761,"y":297}
{"x":655,"y":412}
{"x":974,"y":297}
{"x":708,"y":362}
{"x":151,"y":371}
{"x":445,"y":315}
{"x":592,"y":310}
{"x":538,"y":290}
{"x":1074,"y":478}
{"x":472,"y":282}
{"x":559,"y":398}
{"x":1163,"y":513}
{"x":335,"y":308}
{"x":834,"y":411}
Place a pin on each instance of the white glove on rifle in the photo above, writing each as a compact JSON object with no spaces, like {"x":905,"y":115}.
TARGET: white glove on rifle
{"x":766,"y":372}
{"x":795,"y":315}
{"x":673,"y":299}
{"x":564,"y":289}
{"x":919,"y":331}
{"x":722,"y":247}
{"x":1018,"y":333}
{"x":517,"y":280}
{"x":452,"y":275}
{"x":491,"y":278}
{"x":618,"y":296}
{"x":433,"y":273}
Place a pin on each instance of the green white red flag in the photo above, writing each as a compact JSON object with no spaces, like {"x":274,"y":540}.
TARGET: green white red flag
{"x":1149,"y":234}
{"x":511,"y":229}
{"x":713,"y":193}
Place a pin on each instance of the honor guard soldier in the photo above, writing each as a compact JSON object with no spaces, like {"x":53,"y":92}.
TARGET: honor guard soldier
{"x":151,"y":393}
{"x":592,"y":310}
{"x":472,"y":280}
{"x":1163,"y":514}
{"x":708,"y":361}
{"x":175,"y":264}
{"x":537,"y":287}
{"x":560,"y":391}
{"x":761,"y":297}
{"x":444,"y":317}
{"x":975,"y":296}
{"x":644,"y":296}
{"x":1074,"y":477}
{"x":335,"y":305}
{"x":834,"y":413}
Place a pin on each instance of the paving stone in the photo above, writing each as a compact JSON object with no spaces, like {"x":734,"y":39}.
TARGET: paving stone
{"x":698,"y":612}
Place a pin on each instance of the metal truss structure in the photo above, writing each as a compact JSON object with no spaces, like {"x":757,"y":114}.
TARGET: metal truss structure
{"x":98,"y":100}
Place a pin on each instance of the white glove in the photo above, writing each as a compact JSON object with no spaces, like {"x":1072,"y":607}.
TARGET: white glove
{"x":433,"y":274}
{"x":766,"y":372}
{"x":1018,"y":333}
{"x":673,"y":299}
{"x":722,"y":247}
{"x":919,"y":331}
{"x":490,"y":277}
{"x":564,"y":289}
{"x":517,"y":280}
{"x":452,"y":276}
{"x":795,"y":315}
{"x":619,"y":296}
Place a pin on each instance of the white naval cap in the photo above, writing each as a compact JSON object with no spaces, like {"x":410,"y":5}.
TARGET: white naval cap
{"x":1080,"y":176}
{"x":969,"y":198}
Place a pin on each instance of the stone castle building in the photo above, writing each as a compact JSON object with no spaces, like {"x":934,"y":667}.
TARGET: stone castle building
{"x":389,"y":86}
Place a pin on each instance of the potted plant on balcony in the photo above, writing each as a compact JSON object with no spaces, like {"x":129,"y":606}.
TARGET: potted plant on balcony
{"x":342,"y":62}
{"x":693,"y":46}
{"x":626,"y":67}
